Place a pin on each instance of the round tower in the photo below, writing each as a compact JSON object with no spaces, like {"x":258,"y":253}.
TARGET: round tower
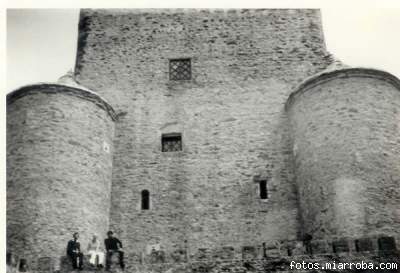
{"x":59,"y":167}
{"x":346,"y":145}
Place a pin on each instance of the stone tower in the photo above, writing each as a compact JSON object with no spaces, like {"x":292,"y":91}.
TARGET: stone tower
{"x":228,"y":113}
{"x":59,"y":166}
{"x":209,"y":135}
{"x":347,"y":149}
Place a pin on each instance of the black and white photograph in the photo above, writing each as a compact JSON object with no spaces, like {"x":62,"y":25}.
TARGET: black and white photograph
{"x":180,"y":139}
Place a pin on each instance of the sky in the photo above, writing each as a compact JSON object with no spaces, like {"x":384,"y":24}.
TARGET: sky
{"x":41,"y":43}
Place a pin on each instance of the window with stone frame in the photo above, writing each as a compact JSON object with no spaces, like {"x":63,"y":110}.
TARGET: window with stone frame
{"x":180,"y":69}
{"x":171,"y":142}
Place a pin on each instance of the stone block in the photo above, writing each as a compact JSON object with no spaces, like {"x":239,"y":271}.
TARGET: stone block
{"x":364,"y":244}
{"x":341,"y":245}
{"x":249,"y":252}
{"x":201,"y":268}
{"x":228,"y":252}
{"x":273,"y":251}
{"x":45,"y":264}
{"x":179,"y":255}
{"x":387,"y":243}
{"x":134,"y":257}
{"x":156,"y":256}
{"x":320,"y":247}
{"x":202,"y":254}
{"x":297,"y":248}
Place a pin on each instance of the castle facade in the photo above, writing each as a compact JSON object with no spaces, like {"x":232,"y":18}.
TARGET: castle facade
{"x":198,"y":132}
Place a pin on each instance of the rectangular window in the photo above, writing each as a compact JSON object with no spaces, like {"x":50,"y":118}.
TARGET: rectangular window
{"x":263,"y":189}
{"x":171,"y":142}
{"x":145,"y":199}
{"x":180,"y":69}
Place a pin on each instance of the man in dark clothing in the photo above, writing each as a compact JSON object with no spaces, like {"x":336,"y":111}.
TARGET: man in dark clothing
{"x":74,"y":252}
{"x":113,"y":245}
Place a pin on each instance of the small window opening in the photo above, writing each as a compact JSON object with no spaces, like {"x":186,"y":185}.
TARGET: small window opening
{"x":23,"y":265}
{"x":171,"y":142}
{"x":145,"y":200}
{"x":263,"y":189}
{"x":180,"y":69}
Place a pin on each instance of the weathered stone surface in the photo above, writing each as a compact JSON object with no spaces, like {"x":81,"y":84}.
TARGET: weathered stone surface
{"x":340,"y":246}
{"x":346,"y":149}
{"x":231,"y":116}
{"x":364,"y":244}
{"x":59,"y":166}
{"x":386,"y":243}
{"x":320,"y":247}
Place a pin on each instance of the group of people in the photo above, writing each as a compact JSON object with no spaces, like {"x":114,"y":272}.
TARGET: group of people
{"x":95,"y":252}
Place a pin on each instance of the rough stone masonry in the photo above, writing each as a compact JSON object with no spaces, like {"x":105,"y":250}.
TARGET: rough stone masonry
{"x":208,"y":141}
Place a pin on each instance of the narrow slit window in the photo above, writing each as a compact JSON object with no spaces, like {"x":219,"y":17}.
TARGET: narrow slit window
{"x":171,"y":142}
{"x":145,"y":200}
{"x":263,"y":189}
{"x":180,"y":69}
{"x":23,"y":265}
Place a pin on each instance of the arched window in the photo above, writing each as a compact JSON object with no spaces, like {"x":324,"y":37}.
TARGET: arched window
{"x":145,"y":199}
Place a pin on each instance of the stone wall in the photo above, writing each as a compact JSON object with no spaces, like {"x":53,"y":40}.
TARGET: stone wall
{"x":284,"y":258}
{"x":347,"y":153}
{"x":59,"y":165}
{"x":230,"y":114}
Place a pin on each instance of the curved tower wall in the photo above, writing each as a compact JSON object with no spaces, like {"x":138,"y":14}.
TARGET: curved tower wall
{"x":59,"y":166}
{"x":346,"y":127}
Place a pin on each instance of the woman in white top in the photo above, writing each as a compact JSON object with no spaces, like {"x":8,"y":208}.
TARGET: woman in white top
{"x":95,"y":252}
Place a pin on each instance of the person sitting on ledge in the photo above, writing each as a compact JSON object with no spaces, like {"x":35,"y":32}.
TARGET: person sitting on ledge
{"x":96,"y":254}
{"x":113,"y":245}
{"x":74,"y":252}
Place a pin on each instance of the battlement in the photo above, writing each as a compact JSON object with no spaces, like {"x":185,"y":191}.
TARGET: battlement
{"x":276,"y":257}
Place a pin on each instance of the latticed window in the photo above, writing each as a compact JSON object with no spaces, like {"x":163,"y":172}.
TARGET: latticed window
{"x":180,"y":69}
{"x":171,"y":142}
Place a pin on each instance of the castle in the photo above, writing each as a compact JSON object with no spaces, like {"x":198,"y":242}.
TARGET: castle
{"x":217,"y":139}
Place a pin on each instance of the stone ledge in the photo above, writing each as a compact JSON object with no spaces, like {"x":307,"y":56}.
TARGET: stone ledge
{"x":326,"y":76}
{"x":52,"y":88}
{"x":279,"y":264}
{"x":340,"y":249}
